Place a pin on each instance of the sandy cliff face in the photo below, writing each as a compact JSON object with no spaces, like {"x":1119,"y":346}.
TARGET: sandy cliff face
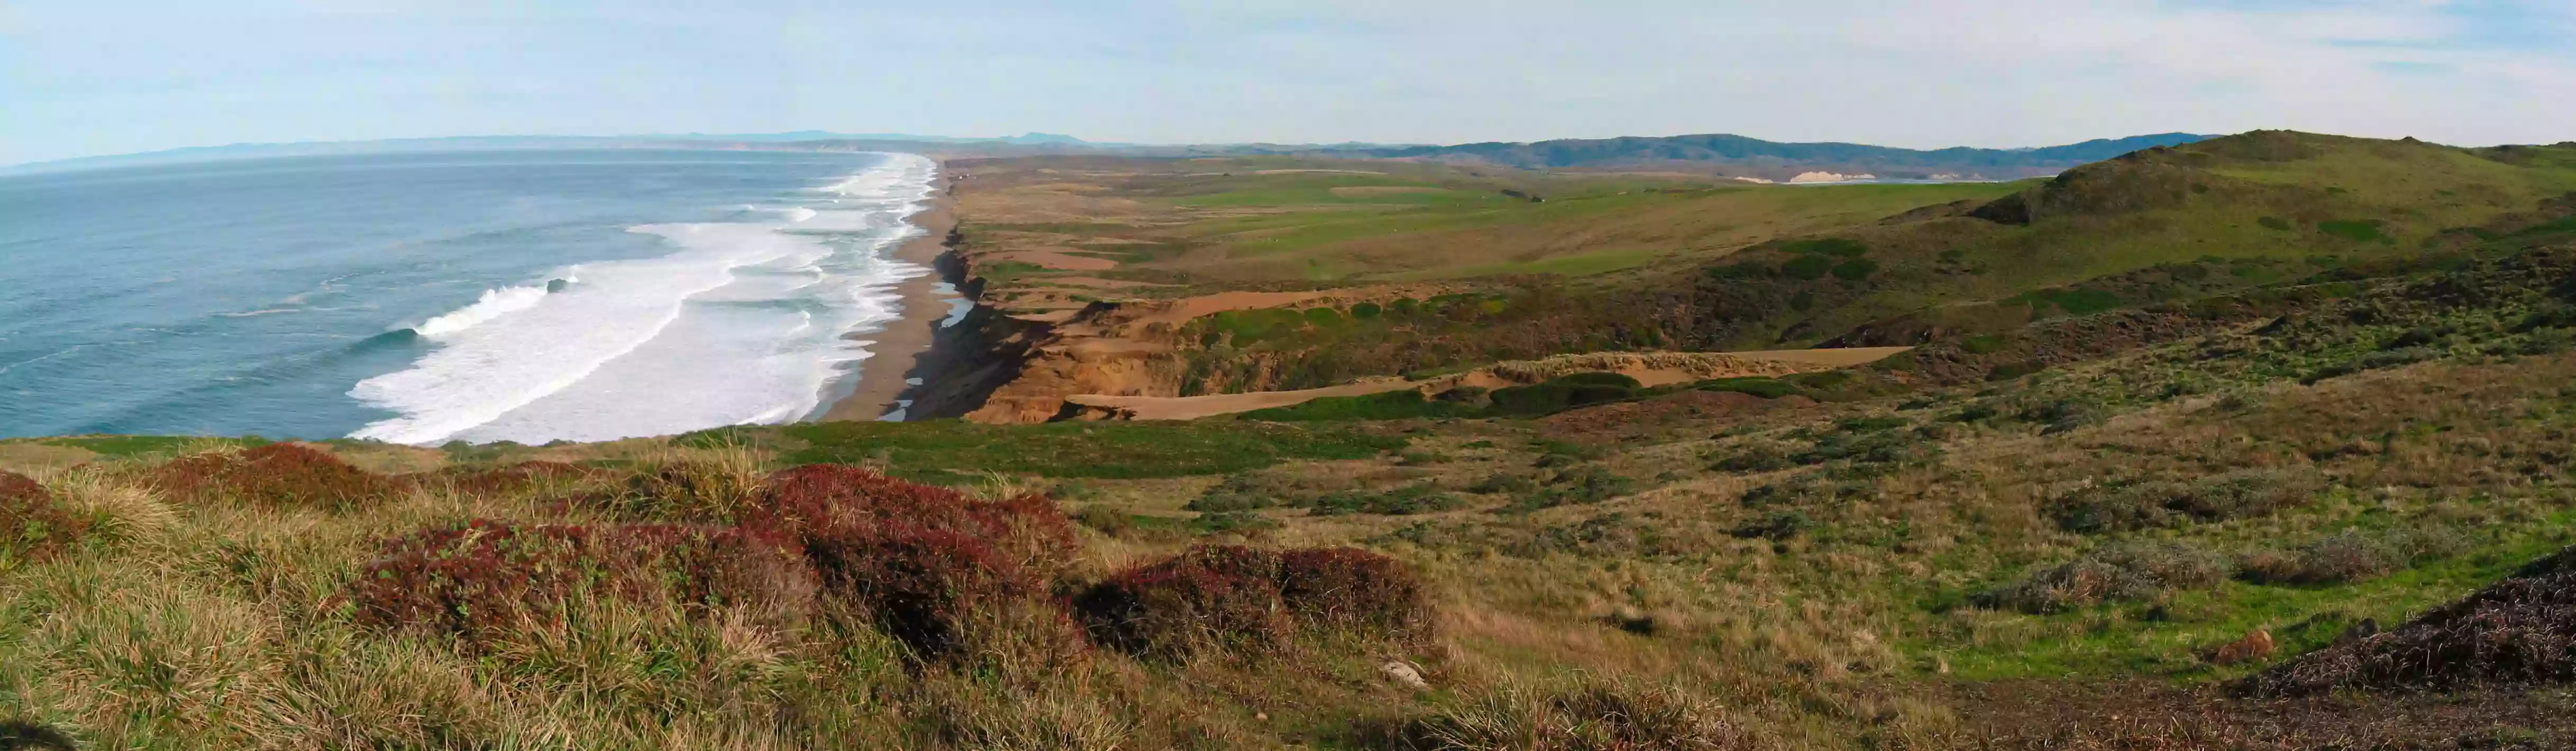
{"x":1025,"y":368}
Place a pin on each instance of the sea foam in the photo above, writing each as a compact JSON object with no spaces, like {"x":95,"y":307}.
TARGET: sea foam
{"x":744,"y":322}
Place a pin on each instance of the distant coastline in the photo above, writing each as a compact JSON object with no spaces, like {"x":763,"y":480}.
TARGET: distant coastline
{"x":881,"y":381}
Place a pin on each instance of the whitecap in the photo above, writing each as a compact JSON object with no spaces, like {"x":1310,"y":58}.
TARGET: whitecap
{"x":493,"y":304}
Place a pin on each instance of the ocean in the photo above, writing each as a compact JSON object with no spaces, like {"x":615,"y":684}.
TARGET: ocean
{"x":526,"y":296}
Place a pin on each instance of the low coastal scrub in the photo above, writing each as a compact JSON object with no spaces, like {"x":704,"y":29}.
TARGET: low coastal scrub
{"x":1235,"y":597}
{"x":1555,"y":395}
{"x":1601,"y":715}
{"x":32,"y":525}
{"x":2128,"y":571}
{"x":486,"y":578}
{"x":950,"y":450}
{"x":2146,"y":504}
{"x":277,"y":475}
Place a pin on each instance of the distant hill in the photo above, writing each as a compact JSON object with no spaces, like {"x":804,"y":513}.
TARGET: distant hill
{"x":1735,"y":155}
{"x":1719,"y":155}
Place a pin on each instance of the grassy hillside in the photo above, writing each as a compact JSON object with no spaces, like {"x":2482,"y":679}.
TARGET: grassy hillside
{"x":2159,"y":474}
{"x":2057,"y":556}
{"x":1755,"y":268}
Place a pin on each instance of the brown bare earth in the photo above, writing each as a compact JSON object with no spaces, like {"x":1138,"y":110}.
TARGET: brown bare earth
{"x":1650,"y":369}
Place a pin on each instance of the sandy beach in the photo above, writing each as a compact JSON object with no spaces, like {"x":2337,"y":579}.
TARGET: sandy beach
{"x":881,"y":376}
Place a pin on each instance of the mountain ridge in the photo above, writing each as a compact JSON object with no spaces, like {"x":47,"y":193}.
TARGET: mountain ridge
{"x":1721,"y":154}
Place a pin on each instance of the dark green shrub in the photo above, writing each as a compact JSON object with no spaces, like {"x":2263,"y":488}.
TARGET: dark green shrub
{"x":2011,"y":371}
{"x":1740,"y":270}
{"x":1869,"y":448}
{"x":1807,"y":267}
{"x":1365,"y":310}
{"x":2133,"y":571}
{"x":1866,"y":424}
{"x":1236,"y":522}
{"x":2355,"y":230}
{"x":1777,"y":525}
{"x":1755,"y":456}
{"x":1503,"y":482}
{"x":1553,"y":397}
{"x":1767,"y":388}
{"x":1243,"y":491}
{"x":2348,"y":556}
{"x":1410,"y":499}
{"x":1596,"y":378}
{"x":1583,"y":484}
{"x":2120,"y":507}
{"x":1855,"y":269}
{"x":2276,"y":223}
{"x":1830,"y":246}
{"x":1822,"y":379}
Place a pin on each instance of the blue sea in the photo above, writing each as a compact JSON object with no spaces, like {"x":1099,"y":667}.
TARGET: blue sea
{"x":526,"y":296}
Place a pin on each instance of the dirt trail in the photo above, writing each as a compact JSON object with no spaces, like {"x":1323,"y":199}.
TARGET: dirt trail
{"x":1650,"y":369}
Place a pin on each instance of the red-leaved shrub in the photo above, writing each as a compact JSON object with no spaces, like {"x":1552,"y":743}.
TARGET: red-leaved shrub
{"x":32,"y":525}
{"x":487,"y":576}
{"x":282,"y":475}
{"x":1352,"y":588}
{"x":1235,"y":596}
{"x":1216,"y":595}
{"x":918,"y":561}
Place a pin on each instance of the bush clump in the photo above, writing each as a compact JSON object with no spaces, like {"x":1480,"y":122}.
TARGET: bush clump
{"x":277,"y":475}
{"x":2521,"y":631}
{"x":1231,"y":597}
{"x":1755,"y":456}
{"x":1561,"y":394}
{"x":2347,"y":556}
{"x":1585,"y":483}
{"x":2133,"y":571}
{"x":485,"y":577}
{"x":1421,"y":498}
{"x":1241,"y":491}
{"x":1761,"y":386}
{"x":32,"y":525}
{"x":920,"y":561}
{"x":2126,"y":506}
{"x":1596,"y":717}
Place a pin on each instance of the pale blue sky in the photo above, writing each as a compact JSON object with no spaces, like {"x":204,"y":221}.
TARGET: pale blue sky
{"x":87,"y":77}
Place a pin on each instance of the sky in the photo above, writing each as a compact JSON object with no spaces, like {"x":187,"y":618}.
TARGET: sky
{"x":92,"y":77}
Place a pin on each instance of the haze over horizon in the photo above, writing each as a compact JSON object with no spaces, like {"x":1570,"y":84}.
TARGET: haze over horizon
{"x":123,"y":77}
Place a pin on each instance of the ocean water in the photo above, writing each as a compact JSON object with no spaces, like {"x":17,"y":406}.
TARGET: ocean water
{"x":527,"y":296}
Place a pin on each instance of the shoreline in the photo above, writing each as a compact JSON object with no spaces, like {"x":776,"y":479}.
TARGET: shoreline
{"x":881,"y":378}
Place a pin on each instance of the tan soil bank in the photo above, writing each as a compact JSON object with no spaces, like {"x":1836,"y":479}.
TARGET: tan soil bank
{"x":1649,"y":368}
